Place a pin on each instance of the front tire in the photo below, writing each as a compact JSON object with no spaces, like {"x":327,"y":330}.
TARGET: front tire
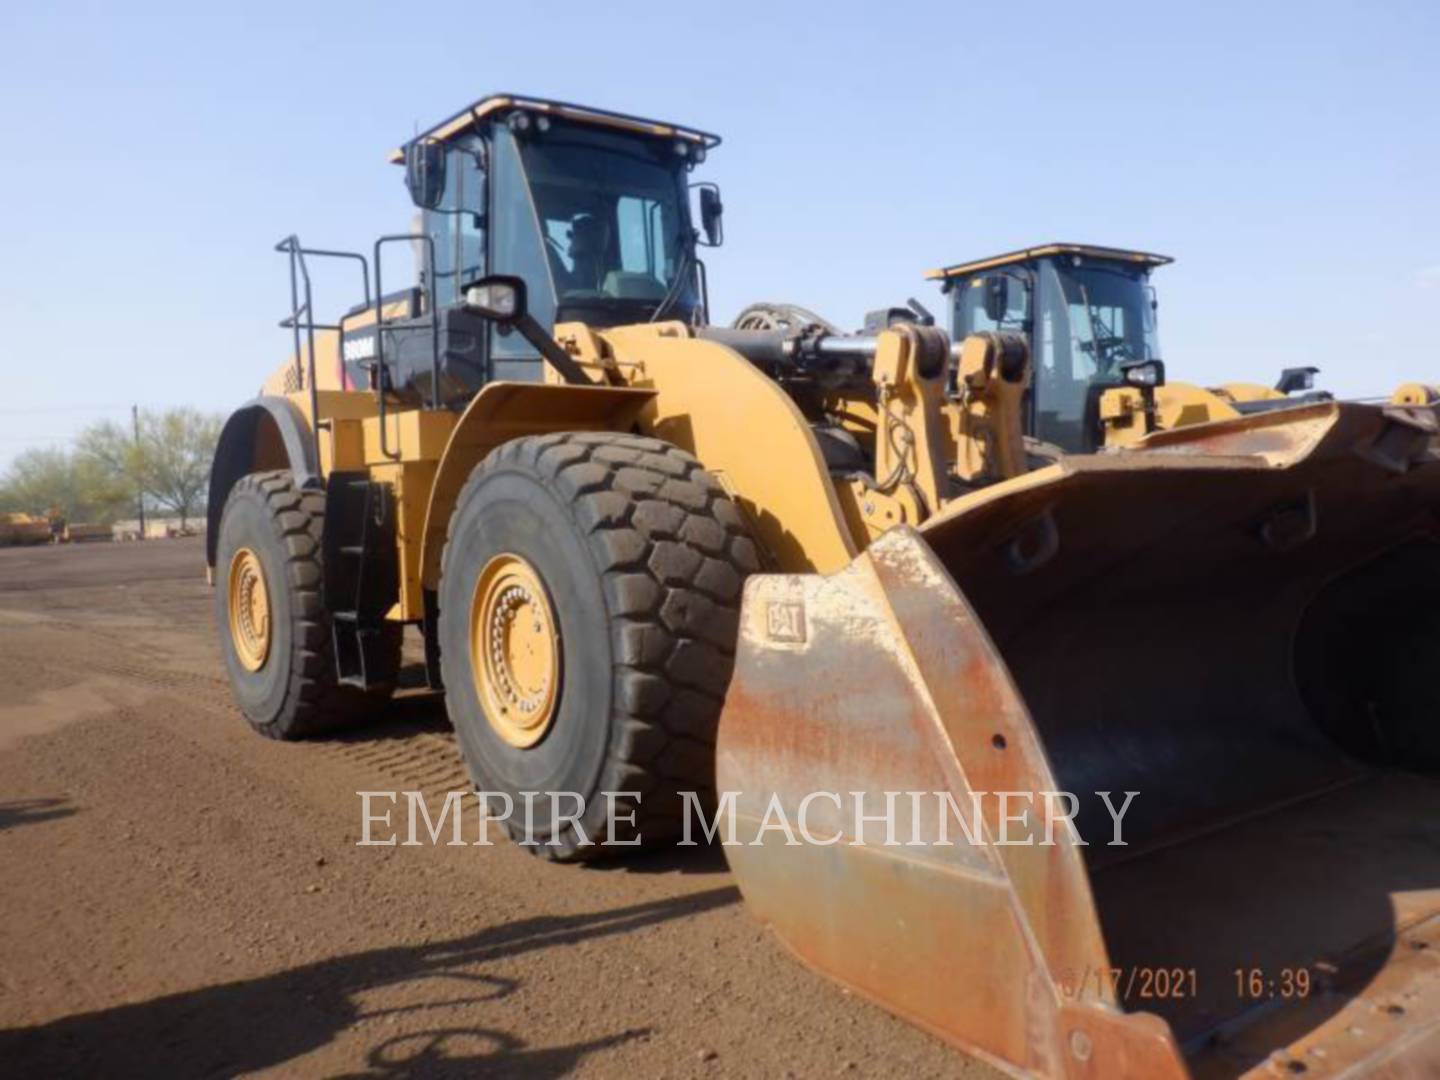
{"x":625,"y":556}
{"x":275,"y":633}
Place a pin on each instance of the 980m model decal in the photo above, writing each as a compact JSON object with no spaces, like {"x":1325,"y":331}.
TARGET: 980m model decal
{"x":358,"y":348}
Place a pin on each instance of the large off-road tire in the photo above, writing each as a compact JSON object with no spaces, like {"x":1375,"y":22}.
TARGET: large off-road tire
{"x":589,"y":600}
{"x":275,"y":633}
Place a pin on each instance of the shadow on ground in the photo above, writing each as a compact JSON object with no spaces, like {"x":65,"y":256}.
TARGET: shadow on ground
{"x":237,"y":1027}
{"x":32,"y":812}
{"x":413,"y":710}
{"x":704,"y":858}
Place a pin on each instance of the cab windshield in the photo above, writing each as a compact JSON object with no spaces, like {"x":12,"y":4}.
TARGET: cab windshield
{"x":1091,"y":318}
{"x":1110,"y":319}
{"x":613,"y":223}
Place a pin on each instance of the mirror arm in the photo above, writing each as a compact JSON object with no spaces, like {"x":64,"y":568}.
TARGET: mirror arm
{"x":1152,"y":419}
{"x":549,"y":348}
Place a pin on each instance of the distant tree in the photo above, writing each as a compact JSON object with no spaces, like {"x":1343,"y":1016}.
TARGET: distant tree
{"x":41,"y":480}
{"x":112,"y":447}
{"x":176,"y":448}
{"x":102,"y":478}
{"x":170,"y":461}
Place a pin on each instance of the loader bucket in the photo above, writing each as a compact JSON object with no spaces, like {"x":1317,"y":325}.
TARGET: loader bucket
{"x":1238,"y":622}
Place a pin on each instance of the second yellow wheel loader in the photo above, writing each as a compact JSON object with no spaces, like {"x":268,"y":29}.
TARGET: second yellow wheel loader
{"x":816,"y":577}
{"x":1088,"y":313}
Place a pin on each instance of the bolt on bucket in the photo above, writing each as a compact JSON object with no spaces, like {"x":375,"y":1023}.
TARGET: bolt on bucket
{"x":1126,"y":767}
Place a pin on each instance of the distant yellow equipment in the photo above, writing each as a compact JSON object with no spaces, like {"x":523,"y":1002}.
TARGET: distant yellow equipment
{"x":20,"y":528}
{"x":1088,"y":314}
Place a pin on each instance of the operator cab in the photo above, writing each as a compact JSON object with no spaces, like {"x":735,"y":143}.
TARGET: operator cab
{"x":591,"y":208}
{"x":1087,"y":313}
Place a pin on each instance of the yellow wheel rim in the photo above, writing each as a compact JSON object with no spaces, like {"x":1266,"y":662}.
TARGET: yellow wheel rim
{"x":515,"y":650}
{"x":249,"y":610}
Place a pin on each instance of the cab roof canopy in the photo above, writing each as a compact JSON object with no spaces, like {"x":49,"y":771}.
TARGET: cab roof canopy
{"x":1094,"y":251}
{"x":472,"y":115}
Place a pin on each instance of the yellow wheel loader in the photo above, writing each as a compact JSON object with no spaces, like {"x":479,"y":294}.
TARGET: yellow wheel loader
{"x":1088,"y":315}
{"x":816,"y":580}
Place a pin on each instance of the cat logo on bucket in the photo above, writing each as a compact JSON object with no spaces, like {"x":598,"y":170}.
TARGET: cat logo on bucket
{"x":785,"y":620}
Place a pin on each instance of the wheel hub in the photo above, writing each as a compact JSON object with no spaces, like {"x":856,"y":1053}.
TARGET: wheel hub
{"x":515,"y":650}
{"x":249,"y":608}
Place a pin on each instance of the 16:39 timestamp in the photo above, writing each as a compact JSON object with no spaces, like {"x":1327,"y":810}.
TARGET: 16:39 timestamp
{"x":1258,"y":984}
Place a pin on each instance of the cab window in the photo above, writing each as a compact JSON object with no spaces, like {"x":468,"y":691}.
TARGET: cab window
{"x":1094,"y":318}
{"x":975,"y":296}
{"x":642,"y":237}
{"x":519,"y":245}
{"x":439,"y":224}
{"x":470,"y":242}
{"x":455,"y":226}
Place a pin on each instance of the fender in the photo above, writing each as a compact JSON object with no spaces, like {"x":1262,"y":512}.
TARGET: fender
{"x":268,"y":433}
{"x":503,"y":411}
{"x":743,"y":427}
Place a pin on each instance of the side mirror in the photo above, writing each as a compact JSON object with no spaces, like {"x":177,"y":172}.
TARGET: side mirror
{"x":997,"y":297}
{"x":1143,"y":374}
{"x":1297,"y":378}
{"x":712,"y":211}
{"x":499,"y":298}
{"x":425,"y":173}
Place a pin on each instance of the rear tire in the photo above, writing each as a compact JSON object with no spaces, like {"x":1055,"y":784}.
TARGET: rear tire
{"x":641,"y":556}
{"x":283,"y":676}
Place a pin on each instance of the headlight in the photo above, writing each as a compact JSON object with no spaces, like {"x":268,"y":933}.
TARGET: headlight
{"x":1144,"y":373}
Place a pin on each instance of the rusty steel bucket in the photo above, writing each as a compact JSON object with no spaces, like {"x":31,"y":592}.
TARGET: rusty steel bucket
{"x":1241,"y":624}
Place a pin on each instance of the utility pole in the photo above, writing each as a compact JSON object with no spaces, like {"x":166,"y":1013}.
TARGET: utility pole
{"x":140,"y":495}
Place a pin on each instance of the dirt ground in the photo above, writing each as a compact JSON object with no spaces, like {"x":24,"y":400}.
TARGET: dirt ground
{"x":181,"y":897}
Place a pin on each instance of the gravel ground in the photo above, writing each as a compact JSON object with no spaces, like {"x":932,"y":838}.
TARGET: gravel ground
{"x":181,"y":897}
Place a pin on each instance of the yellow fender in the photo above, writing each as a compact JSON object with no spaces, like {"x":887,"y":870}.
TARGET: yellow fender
{"x":698,"y":395}
{"x":503,"y":411}
{"x":1177,"y":405}
{"x":748,"y":432}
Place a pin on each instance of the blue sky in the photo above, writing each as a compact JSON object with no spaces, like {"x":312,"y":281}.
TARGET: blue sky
{"x":1285,"y":154}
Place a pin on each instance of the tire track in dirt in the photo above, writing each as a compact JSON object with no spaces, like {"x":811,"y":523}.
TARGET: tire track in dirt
{"x":408,"y":748}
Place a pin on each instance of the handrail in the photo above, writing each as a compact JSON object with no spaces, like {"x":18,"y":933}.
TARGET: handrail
{"x":300,"y":273}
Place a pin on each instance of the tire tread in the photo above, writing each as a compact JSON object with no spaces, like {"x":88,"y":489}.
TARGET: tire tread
{"x":315,"y":702}
{"x":671,"y":550}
